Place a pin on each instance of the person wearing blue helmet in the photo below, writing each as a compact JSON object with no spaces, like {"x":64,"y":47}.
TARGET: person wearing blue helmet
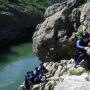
{"x":81,"y":47}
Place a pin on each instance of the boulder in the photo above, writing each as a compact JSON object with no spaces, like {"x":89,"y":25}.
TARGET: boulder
{"x":54,"y":39}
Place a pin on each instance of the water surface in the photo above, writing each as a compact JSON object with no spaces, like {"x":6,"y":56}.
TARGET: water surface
{"x":14,"y":63}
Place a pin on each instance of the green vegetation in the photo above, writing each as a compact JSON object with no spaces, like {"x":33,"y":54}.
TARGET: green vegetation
{"x":27,"y":5}
{"x":74,"y":73}
{"x":82,"y":6}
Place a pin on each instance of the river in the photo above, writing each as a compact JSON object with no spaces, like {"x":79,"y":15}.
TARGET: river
{"x":14,"y":63}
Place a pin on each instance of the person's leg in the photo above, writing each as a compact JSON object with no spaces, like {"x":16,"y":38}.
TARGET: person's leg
{"x":79,"y":59}
{"x":76,"y":57}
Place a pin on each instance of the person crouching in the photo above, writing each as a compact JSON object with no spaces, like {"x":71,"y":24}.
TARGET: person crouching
{"x":81,"y":47}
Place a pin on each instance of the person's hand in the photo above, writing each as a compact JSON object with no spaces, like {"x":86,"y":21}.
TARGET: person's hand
{"x":89,"y":44}
{"x":86,"y":48}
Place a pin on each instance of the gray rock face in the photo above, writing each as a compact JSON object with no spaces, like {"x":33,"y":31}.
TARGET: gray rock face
{"x":15,"y":24}
{"x":54,"y":38}
{"x":73,"y":83}
{"x":85,"y":16}
{"x":54,"y":8}
{"x":59,"y":6}
{"x":88,"y":0}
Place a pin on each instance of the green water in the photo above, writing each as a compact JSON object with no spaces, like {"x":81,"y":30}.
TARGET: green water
{"x":14,"y":62}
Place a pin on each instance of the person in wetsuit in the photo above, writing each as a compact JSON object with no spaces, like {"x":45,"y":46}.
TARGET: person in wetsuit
{"x":81,"y":46}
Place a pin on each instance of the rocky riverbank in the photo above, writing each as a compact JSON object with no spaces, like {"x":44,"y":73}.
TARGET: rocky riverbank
{"x":54,"y":43}
{"x":63,"y":75}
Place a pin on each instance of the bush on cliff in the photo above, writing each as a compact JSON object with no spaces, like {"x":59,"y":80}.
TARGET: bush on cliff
{"x":28,"y":5}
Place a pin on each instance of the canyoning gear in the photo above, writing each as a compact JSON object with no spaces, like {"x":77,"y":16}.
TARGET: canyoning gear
{"x":85,"y":35}
{"x":35,"y":77}
{"x":39,"y":73}
{"x":38,"y":79}
{"x":36,"y":72}
{"x":30,"y":77}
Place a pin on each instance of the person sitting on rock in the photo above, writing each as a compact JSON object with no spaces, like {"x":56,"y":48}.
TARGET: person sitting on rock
{"x":81,"y":47}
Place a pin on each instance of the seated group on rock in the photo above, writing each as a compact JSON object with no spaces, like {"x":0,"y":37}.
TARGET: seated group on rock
{"x":82,"y":45}
{"x":35,"y":77}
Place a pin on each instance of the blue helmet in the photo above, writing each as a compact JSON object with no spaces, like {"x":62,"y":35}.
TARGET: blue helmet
{"x":86,"y":35}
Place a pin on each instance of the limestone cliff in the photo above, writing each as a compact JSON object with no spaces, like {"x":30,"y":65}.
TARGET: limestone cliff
{"x":54,"y":39}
